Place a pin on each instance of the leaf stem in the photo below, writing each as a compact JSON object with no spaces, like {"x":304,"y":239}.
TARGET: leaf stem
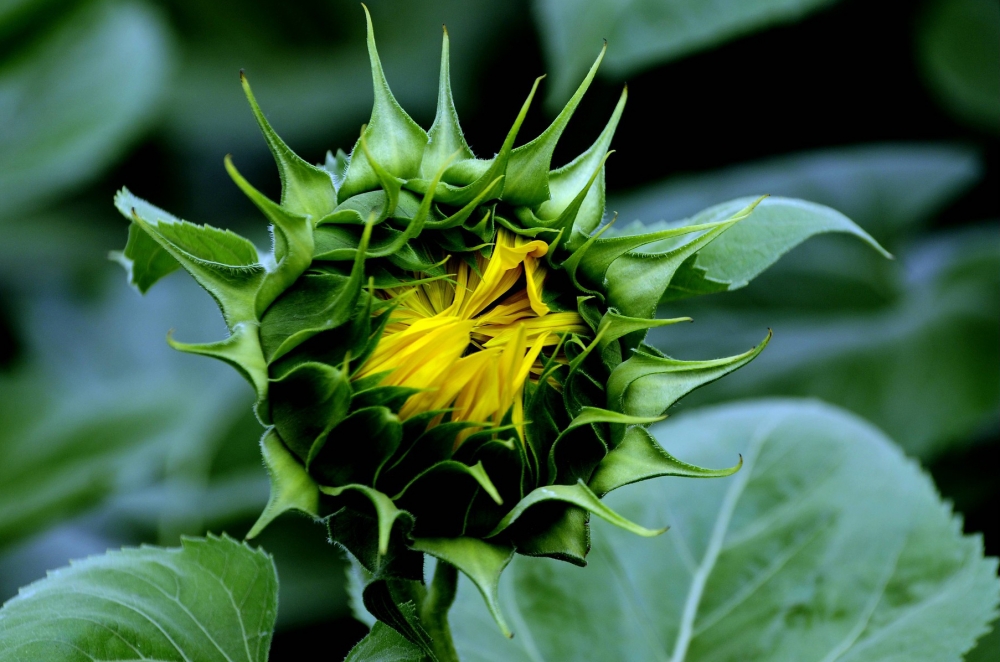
{"x":434,"y":610}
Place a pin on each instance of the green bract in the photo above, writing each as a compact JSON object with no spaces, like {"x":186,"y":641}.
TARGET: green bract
{"x":305,"y":318}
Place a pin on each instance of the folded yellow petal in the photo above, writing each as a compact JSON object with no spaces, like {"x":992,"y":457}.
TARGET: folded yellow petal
{"x":470,"y":341}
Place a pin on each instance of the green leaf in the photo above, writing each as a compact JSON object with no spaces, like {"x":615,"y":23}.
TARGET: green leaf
{"x":598,"y":253}
{"x":445,"y":137}
{"x":383,"y":644}
{"x":647,"y":384}
{"x":959,"y":49}
{"x":643,"y":33}
{"x":555,"y":530}
{"x":480,"y":561}
{"x":570,"y":180}
{"x":78,"y":97}
{"x":477,"y":177}
{"x":210,"y":599}
{"x":578,"y":495}
{"x":292,"y":488}
{"x":385,"y":511}
{"x":222,"y":262}
{"x":827,"y":544}
{"x":528,"y":171}
{"x":308,"y":402}
{"x":749,"y":247}
{"x":144,"y":260}
{"x":889,"y":189}
{"x":635,"y":281}
{"x":241,"y":350}
{"x":316,"y":303}
{"x":358,"y":526}
{"x":393,"y":602}
{"x":208,"y":244}
{"x":342,"y":460}
{"x":566,"y":448}
{"x":392,"y":137}
{"x":424,"y":493}
{"x":293,"y":241}
{"x":305,"y":189}
{"x":922,"y":362}
{"x":638,"y":457}
{"x":613,"y":327}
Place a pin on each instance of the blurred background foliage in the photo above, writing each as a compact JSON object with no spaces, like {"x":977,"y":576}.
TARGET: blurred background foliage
{"x":887,"y":111}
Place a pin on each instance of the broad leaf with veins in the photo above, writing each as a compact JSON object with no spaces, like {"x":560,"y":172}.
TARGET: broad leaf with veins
{"x":212,"y":600}
{"x":827,"y":545}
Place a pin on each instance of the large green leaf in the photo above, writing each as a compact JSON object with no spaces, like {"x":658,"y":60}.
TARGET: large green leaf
{"x":726,"y":246}
{"x":73,"y":100}
{"x":827,"y":545}
{"x":924,"y":366}
{"x":887,"y":189}
{"x":776,"y":226}
{"x":960,"y":55}
{"x":643,"y":33}
{"x":211,"y":599}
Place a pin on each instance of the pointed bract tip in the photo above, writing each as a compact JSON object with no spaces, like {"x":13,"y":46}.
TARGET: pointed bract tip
{"x":444,"y":28}
{"x":243,"y":74}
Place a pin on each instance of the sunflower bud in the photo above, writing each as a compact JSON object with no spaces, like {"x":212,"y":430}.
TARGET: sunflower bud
{"x":447,"y":351}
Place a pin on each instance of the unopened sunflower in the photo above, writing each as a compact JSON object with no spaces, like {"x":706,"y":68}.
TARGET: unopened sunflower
{"x":447,"y":350}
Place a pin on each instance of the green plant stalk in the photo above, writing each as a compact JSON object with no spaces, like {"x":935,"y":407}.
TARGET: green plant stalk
{"x":434,"y":610}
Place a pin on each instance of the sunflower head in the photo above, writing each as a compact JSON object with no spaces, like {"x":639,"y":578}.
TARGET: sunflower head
{"x":447,"y":351}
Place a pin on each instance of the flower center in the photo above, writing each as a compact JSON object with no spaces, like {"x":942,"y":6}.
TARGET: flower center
{"x":470,"y":343}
